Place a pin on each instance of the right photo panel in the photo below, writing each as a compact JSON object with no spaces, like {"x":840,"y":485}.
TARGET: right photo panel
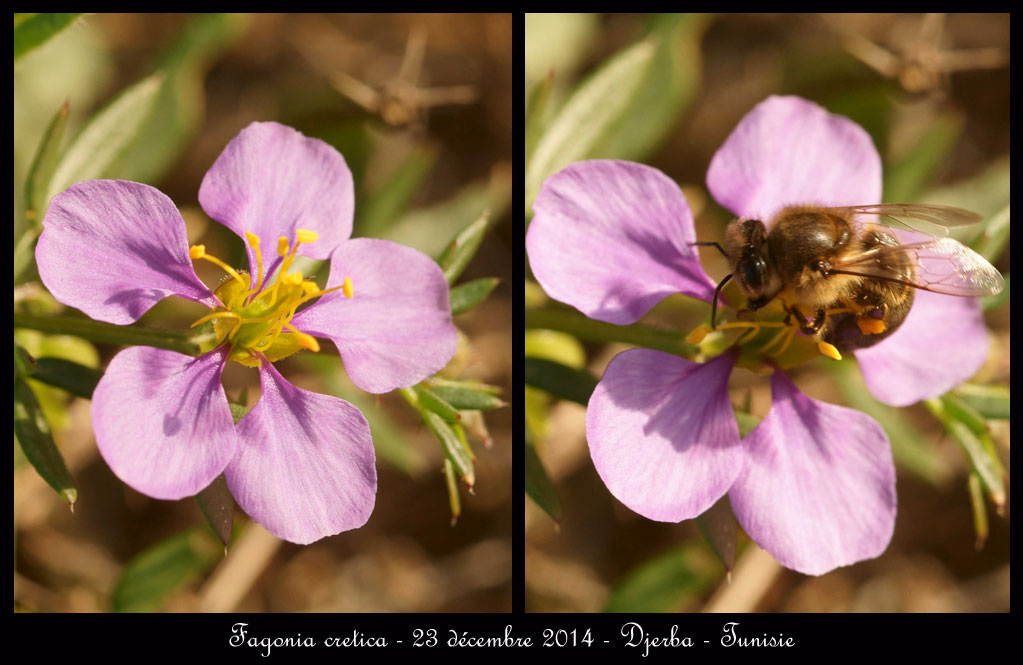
{"x":766,"y":313}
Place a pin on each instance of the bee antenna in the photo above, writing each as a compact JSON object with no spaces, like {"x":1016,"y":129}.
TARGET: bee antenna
{"x":714,"y":304}
{"x":710,"y":243}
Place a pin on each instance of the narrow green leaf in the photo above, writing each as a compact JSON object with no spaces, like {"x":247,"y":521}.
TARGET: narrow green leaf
{"x":36,"y":441}
{"x":459,"y":252}
{"x":536,"y":113}
{"x":73,"y":377}
{"x":24,"y":363}
{"x":992,"y":241}
{"x":217,"y":507}
{"x":386,"y":204}
{"x":107,"y":136}
{"x":538,"y":484}
{"x":151,"y":577}
{"x":428,"y":399}
{"x":980,"y":524}
{"x":32,"y":30}
{"x":565,"y":382}
{"x":37,"y":184}
{"x":466,"y":296}
{"x":595,"y":108}
{"x":436,"y":382}
{"x":451,"y":444}
{"x":964,"y":413}
{"x":984,"y":465}
{"x":668,"y":88}
{"x":24,"y":251}
{"x":663,"y":583}
{"x":992,"y":402}
{"x":451,"y":482}
{"x":466,"y":398}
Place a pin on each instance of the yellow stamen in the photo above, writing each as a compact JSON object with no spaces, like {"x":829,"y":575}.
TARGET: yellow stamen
{"x":305,"y":339}
{"x":215,"y":315}
{"x":349,"y":291}
{"x":254,"y":241}
{"x":695,"y":337}
{"x":282,"y":246}
{"x":199,"y":252}
{"x":305,"y":236}
{"x":829,"y":350}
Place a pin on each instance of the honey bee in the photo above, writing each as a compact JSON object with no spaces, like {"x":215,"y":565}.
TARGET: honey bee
{"x":847,"y":280}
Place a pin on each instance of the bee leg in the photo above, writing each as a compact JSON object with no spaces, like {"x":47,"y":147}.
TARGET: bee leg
{"x":814,"y":326}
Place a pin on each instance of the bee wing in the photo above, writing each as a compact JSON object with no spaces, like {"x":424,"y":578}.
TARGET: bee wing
{"x":942,"y":265}
{"x":933,"y":220}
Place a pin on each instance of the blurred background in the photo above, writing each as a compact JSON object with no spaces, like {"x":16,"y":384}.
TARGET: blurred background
{"x":421,"y":108}
{"x":933,"y":92}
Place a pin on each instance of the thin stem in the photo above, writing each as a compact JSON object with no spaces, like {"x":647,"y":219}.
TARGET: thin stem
{"x":187,"y":342}
{"x":669,"y":341}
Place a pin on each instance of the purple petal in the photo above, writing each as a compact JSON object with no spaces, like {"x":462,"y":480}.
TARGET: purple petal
{"x":396,"y":330}
{"x":662,"y":433}
{"x":305,"y":469}
{"x":114,"y":248}
{"x":162,"y":422}
{"x":789,"y":151}
{"x":271,"y":180}
{"x":612,"y":240}
{"x":818,"y":487}
{"x":942,"y":343}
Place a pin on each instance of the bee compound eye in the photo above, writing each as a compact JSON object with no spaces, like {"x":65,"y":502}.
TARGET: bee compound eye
{"x":752,"y":274}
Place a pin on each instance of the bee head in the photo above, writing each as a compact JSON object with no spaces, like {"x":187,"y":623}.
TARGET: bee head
{"x":747,"y":248}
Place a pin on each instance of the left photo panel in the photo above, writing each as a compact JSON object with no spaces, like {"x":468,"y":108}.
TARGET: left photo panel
{"x":263,"y":316}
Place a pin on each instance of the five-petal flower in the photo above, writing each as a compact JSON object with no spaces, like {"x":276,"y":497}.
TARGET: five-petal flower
{"x":300,"y":463}
{"x":813,"y":483}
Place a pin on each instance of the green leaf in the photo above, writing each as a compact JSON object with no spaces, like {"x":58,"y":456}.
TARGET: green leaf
{"x":466,"y":296}
{"x":537,"y":107}
{"x":992,"y":402}
{"x":906,"y":177}
{"x":984,"y":463}
{"x":24,"y":363}
{"x":36,"y":441}
{"x":980,"y":524}
{"x":180,"y":106}
{"x":32,"y":30}
{"x":73,"y":377}
{"x":451,"y":482}
{"x":387,"y":203}
{"x":151,"y":577}
{"x":217,"y":507}
{"x":37,"y":184}
{"x":565,"y":382}
{"x":666,"y":91}
{"x":459,"y":252}
{"x":107,"y":136}
{"x":995,"y":236}
{"x":465,"y":397}
{"x":428,"y":399}
{"x":664,"y":583}
{"x":595,"y":109}
{"x":538,"y":484}
{"x":452,"y":444}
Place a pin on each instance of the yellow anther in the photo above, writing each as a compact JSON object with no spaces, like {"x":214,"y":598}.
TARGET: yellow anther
{"x":282,"y":246}
{"x":252,"y":238}
{"x":349,"y":291}
{"x":293,"y":279}
{"x":870,"y":326}
{"x":305,"y":339}
{"x":197,"y":251}
{"x":254,"y":241}
{"x":695,"y":337}
{"x":305,"y":236}
{"x":829,"y":350}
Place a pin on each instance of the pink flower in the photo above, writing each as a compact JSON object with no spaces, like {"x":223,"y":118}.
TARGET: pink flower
{"x":813,"y":483}
{"x":300,"y":463}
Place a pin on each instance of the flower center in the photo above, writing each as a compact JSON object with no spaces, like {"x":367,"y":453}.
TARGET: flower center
{"x":256,"y":318}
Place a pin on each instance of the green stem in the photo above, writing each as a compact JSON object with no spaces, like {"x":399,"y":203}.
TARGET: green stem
{"x":669,"y":341}
{"x":187,"y":342}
